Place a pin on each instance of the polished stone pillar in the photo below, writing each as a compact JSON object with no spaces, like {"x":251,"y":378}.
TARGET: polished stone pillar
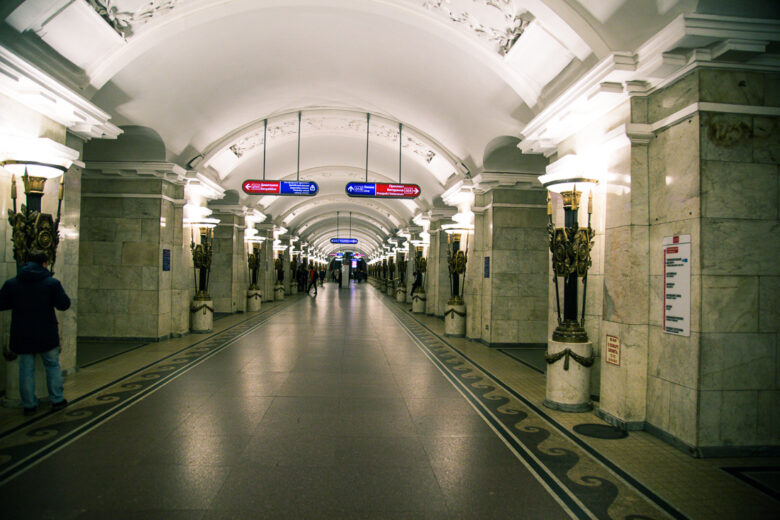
{"x":227,"y":285}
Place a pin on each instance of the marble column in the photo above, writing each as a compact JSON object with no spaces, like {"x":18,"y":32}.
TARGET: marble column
{"x":438,"y":286}
{"x":267,"y":275}
{"x":133,"y":258}
{"x":228,"y":279}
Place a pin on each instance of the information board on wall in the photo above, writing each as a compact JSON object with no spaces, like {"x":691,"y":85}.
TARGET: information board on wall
{"x":487,"y":267}
{"x":677,"y":285}
{"x":613,"y":350}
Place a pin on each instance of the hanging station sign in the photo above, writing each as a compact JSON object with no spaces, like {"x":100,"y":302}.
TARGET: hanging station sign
{"x":343,"y":240}
{"x":383,"y":190}
{"x":294,"y":188}
{"x":677,"y":285}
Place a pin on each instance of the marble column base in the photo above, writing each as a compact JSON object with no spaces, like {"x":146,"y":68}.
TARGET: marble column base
{"x":279,"y":292}
{"x":400,"y":294}
{"x":383,"y":285}
{"x":418,"y":302}
{"x":293,"y":289}
{"x":202,"y":313}
{"x":390,"y":288}
{"x":254,"y":298}
{"x":568,"y":390}
{"x":12,"y":398}
{"x":455,"y":320}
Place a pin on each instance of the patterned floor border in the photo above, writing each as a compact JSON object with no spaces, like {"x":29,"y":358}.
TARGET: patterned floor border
{"x":586,"y":483}
{"x":27,"y":444}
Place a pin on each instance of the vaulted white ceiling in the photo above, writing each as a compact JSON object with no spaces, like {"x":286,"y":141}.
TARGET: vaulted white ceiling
{"x":206,"y":74}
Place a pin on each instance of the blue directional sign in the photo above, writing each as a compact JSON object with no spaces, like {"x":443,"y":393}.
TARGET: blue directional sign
{"x":343,"y":240}
{"x":361,"y":189}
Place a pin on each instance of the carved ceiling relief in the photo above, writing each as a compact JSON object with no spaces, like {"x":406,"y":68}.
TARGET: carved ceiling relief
{"x":332,"y":125}
{"x":497,"y":22}
{"x":126,"y":15}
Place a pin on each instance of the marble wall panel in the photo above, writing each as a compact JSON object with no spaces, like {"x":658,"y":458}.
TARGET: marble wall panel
{"x":140,"y":253}
{"x":639,"y":185}
{"x":674,"y":184}
{"x":733,"y":87}
{"x":504,"y":331}
{"x":674,"y":358}
{"x":623,"y":388}
{"x":768,"y":423}
{"x":639,"y":109}
{"x":658,"y":392}
{"x":504,"y":217}
{"x":729,"y":303}
{"x":739,"y":418}
{"x":739,"y":247}
{"x":726,"y":137}
{"x":673,"y":98}
{"x":738,"y":361}
{"x":766,"y":140}
{"x":683,"y":416}
{"x":626,"y":292}
{"x":133,"y":207}
{"x":739,"y":190}
{"x":532,"y":331}
{"x":710,"y":407}
{"x":772,"y":91}
{"x":769,"y":304}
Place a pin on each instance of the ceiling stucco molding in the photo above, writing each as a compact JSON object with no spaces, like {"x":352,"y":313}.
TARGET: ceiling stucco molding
{"x":688,"y":42}
{"x":125,"y":18}
{"x":329,"y":121}
{"x":162,"y":170}
{"x":500,"y":32}
{"x":35,"y":89}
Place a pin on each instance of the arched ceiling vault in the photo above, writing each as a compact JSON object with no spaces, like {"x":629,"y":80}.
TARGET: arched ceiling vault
{"x":204,"y":74}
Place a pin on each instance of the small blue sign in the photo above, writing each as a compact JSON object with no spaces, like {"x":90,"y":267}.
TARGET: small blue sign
{"x":361,"y":189}
{"x":166,"y":263}
{"x":487,"y":267}
{"x":343,"y":240}
{"x":298,"y":188}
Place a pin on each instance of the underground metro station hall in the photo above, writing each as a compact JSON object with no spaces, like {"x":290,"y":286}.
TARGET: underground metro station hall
{"x":389,"y":259}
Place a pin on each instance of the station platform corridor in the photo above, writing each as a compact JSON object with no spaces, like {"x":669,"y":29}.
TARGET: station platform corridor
{"x":343,"y":406}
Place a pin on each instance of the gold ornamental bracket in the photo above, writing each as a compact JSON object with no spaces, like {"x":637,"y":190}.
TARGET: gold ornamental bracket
{"x":31,"y":227}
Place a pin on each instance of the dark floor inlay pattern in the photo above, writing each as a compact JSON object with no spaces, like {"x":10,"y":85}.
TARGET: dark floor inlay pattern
{"x":764,"y":478}
{"x":20,"y":448}
{"x":584,"y":484}
{"x":600,"y":431}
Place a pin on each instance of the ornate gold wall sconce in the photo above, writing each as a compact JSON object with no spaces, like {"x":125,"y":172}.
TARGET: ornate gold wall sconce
{"x":570,"y":246}
{"x":31,"y":228}
{"x":202,"y":253}
{"x":457,"y":258}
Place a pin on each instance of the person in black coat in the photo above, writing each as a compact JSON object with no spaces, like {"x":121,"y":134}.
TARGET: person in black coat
{"x":31,"y":296}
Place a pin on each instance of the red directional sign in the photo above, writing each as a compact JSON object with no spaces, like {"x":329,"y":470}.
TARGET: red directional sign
{"x":300,"y":188}
{"x":397,"y":190}
{"x":383,"y":189}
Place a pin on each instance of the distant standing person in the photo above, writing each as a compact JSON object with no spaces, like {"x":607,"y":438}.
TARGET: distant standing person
{"x":338,"y":277}
{"x":312,"y":281}
{"x":31,"y":296}
{"x":322,"y":277}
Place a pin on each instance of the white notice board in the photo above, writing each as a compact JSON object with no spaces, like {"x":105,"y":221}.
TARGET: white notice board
{"x":677,"y":285}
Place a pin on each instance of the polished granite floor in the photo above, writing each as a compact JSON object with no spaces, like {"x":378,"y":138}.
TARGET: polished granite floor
{"x":340,"y":406}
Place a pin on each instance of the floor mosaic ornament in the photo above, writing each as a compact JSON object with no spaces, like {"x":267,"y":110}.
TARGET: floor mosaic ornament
{"x":24,"y":446}
{"x":587,"y":484}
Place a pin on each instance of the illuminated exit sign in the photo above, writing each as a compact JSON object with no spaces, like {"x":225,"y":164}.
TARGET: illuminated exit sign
{"x":383,"y":190}
{"x":294,"y":188}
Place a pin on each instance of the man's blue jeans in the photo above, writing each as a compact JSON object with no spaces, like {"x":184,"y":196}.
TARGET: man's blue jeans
{"x":51,"y":362}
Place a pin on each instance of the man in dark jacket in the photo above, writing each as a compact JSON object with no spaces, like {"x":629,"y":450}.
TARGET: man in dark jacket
{"x":32,"y":295}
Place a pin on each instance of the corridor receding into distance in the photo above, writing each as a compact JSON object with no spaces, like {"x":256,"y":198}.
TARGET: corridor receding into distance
{"x":389,"y":259}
